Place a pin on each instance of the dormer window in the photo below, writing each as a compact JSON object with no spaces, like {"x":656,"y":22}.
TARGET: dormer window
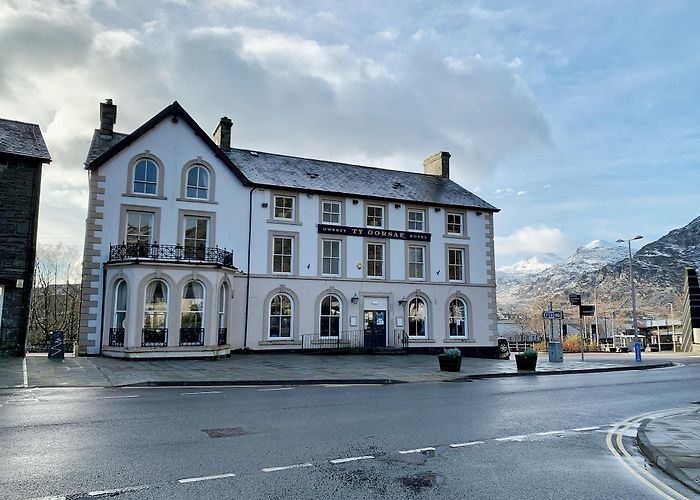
{"x":146,"y":177}
{"x":198,"y":183}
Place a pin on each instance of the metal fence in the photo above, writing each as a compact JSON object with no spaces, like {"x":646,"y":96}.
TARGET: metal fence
{"x":344,"y":341}
{"x":177,"y":253}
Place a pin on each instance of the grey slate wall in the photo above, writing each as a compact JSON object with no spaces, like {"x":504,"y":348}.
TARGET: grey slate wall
{"x":20,"y":182}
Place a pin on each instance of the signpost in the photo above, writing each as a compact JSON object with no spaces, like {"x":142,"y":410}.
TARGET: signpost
{"x":575,"y":299}
{"x":584,"y":310}
{"x":555,"y":347}
{"x":552,"y":315}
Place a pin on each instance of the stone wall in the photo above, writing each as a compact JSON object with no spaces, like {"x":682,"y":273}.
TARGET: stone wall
{"x":20,"y":182}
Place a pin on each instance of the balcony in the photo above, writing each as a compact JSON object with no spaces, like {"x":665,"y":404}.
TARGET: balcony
{"x":154,"y":337}
{"x":191,"y":336}
{"x":170,"y":253}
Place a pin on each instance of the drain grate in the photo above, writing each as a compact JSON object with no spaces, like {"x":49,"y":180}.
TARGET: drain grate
{"x":225,"y":432}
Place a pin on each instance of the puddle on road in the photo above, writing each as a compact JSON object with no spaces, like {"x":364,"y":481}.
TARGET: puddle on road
{"x":419,"y":482}
{"x":417,"y":458}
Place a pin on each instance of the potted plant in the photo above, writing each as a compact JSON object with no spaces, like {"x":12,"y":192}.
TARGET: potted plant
{"x":527,"y":360}
{"x":450,"y":360}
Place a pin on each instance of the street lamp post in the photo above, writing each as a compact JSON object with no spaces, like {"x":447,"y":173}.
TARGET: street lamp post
{"x":673,"y":326}
{"x":637,"y":346}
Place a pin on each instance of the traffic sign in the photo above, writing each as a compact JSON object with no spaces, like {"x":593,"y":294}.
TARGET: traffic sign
{"x":553,"y":315}
{"x":574,"y":299}
{"x":586,"y":310}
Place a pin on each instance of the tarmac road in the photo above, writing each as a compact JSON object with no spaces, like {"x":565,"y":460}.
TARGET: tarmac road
{"x":525,"y":437}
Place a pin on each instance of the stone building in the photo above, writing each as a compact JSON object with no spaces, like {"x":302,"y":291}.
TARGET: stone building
{"x":22,"y":153}
{"x":194,"y":248}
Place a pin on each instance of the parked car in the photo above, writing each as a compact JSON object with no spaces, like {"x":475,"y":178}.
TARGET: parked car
{"x":503,"y":349}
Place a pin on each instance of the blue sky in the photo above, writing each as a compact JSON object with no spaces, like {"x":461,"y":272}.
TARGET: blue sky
{"x":579,"y":120}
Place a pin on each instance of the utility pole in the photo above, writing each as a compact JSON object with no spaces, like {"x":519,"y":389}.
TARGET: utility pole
{"x":597,"y":326}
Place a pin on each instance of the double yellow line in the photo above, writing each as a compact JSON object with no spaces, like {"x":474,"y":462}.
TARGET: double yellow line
{"x":617,"y":447}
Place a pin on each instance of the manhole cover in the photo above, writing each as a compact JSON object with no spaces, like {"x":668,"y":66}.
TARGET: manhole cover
{"x":225,"y":432}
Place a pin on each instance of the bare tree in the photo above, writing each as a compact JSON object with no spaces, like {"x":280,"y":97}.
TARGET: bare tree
{"x":55,"y":293}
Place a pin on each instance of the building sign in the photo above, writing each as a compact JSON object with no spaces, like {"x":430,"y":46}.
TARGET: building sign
{"x":371,"y":232}
{"x":585,"y":310}
{"x":551,"y":315}
{"x":574,"y":299}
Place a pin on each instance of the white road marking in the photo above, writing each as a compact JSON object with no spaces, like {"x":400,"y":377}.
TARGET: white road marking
{"x":351,"y":459}
{"x":513,"y":438}
{"x":117,"y":491}
{"x":25,"y":378}
{"x":205,"y":478}
{"x":50,"y":497}
{"x":200,"y":392}
{"x":462,"y":445}
{"x":417,"y":450}
{"x":581,"y":429}
{"x":276,"y":389}
{"x":549,"y":433}
{"x":286,"y":467}
{"x":122,"y":397}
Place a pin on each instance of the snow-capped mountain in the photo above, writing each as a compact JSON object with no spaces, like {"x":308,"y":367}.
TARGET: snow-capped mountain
{"x":604,"y":266}
{"x":531,"y":265}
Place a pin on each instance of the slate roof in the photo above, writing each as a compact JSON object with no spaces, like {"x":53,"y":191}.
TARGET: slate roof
{"x":101,"y":143}
{"x":320,"y":176}
{"x":274,"y":170}
{"x":23,"y":139}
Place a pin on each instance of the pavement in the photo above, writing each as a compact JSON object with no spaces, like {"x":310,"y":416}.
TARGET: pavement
{"x":673,"y":444}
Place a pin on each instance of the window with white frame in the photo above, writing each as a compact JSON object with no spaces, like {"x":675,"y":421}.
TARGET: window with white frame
{"x":331,"y":257}
{"x":197,"y":183}
{"x":375,"y":260}
{"x":416,"y":220}
{"x":417,"y":318}
{"x":455,"y":264}
{"x":283,"y":207}
{"x":331,"y":316}
{"x":221,"y":315}
{"x":457,"y":318}
{"x":416,"y":262}
{"x":282,"y":254}
{"x":281,"y":317}
{"x":455,"y":223}
{"x":139,"y":228}
{"x":196,"y":237}
{"x":375,"y":216}
{"x":120,"y":296}
{"x":156,"y":305}
{"x":145,"y":177}
{"x":192,"y":309}
{"x":331,"y":212}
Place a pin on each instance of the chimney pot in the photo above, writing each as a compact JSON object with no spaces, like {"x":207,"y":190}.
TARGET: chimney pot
{"x":222,"y":134}
{"x":438,"y":164}
{"x":108,"y":117}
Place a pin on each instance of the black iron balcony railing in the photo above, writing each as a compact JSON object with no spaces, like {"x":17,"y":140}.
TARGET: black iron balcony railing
{"x":223,"y":336}
{"x":154,"y":337}
{"x":191,"y":336}
{"x":172,"y":253}
{"x":116,"y":337}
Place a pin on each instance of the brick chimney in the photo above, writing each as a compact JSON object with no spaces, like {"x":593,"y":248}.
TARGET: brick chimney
{"x":438,"y":164}
{"x":108,"y":117}
{"x":222,"y":134}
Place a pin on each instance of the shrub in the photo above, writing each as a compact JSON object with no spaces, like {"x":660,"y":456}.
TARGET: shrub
{"x":529,"y":353}
{"x":452,"y":353}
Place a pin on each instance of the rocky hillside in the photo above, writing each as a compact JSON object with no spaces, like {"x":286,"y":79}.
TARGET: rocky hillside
{"x":658,"y":268}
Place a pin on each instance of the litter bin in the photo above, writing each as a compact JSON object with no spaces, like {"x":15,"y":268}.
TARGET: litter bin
{"x":556,"y":354}
{"x":57,"y":346}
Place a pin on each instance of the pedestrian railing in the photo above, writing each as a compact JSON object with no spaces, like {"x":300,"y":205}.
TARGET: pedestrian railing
{"x":154,"y":337}
{"x":116,"y":337}
{"x":222,"y":338}
{"x":344,"y":340}
{"x":191,"y":336}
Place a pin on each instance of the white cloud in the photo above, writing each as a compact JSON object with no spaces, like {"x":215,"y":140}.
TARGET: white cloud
{"x":534,"y":239}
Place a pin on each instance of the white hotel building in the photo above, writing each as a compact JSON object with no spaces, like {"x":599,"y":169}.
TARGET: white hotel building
{"x":194,"y":249}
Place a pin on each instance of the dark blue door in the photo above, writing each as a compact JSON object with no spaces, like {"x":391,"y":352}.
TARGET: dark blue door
{"x":375,"y":329}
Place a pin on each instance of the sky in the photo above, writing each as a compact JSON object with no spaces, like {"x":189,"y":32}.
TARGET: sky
{"x":579,"y":120}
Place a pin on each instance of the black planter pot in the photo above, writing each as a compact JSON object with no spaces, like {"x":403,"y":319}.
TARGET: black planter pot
{"x":525,"y":363}
{"x":448,"y":364}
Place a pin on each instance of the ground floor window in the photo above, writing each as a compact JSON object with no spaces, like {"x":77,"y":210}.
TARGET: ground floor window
{"x":330,"y":316}
{"x":417,"y":318}
{"x":458,"y":318}
{"x":281,"y":316}
{"x":156,"y":306}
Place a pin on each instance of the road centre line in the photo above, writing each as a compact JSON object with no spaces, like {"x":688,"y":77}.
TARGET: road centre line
{"x":200,"y":392}
{"x":417,"y":450}
{"x":25,"y":377}
{"x":122,"y":397}
{"x":513,"y":438}
{"x":351,"y":459}
{"x":286,"y":467}
{"x":205,"y":478}
{"x":117,"y":491}
{"x":550,"y":433}
{"x":582,"y":429}
{"x":470,"y":443}
{"x":276,"y":389}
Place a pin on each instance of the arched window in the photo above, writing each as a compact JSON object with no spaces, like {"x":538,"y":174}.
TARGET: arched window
{"x":221,"y":319}
{"x":417,"y":318}
{"x":120,"y":305}
{"x":198,"y":183}
{"x":281,"y":316}
{"x":192,"y":314}
{"x":458,"y":318}
{"x":146,"y":177}
{"x":155,"y":314}
{"x":331,"y":315}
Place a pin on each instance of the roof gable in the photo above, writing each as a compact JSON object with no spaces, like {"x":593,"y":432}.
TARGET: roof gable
{"x":23,"y":139}
{"x":104,"y":147}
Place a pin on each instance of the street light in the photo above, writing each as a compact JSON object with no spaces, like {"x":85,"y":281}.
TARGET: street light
{"x":637,"y":346}
{"x":673,"y":325}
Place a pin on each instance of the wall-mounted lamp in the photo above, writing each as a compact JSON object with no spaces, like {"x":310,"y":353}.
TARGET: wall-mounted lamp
{"x":402,"y":302}
{"x":397,"y":205}
{"x":264,"y":205}
{"x":354,"y":299}
{"x":478,"y":213}
{"x":437,"y":272}
{"x":355,"y":202}
{"x":437,"y":209}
